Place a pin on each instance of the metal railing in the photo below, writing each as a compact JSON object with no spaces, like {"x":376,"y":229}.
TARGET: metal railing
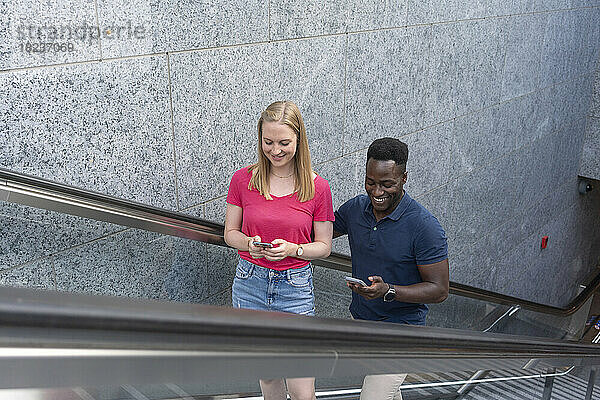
{"x":50,"y":339}
{"x":98,"y":341}
{"x":40,"y":193}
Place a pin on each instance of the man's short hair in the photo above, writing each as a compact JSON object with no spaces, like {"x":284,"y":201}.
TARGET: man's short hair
{"x":388,"y":148}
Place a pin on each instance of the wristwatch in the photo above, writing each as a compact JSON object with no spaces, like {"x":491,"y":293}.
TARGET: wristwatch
{"x":390,"y":295}
{"x":300,"y":251}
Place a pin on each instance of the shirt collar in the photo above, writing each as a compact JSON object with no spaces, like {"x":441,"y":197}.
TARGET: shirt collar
{"x":398,"y":211}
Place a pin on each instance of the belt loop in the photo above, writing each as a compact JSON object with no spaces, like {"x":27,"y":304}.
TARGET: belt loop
{"x":288,"y":273}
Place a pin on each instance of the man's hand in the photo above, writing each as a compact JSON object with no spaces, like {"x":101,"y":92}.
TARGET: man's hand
{"x":377,"y":289}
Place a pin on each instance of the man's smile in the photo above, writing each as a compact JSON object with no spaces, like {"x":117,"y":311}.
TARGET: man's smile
{"x":380,"y":200}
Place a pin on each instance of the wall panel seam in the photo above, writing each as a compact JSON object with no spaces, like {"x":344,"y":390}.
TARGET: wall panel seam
{"x":203,"y":204}
{"x":54,"y":279}
{"x":234,"y":45}
{"x":59,"y":252}
{"x":345,"y":122}
{"x":98,"y":27}
{"x":219,"y":293}
{"x":173,"y":132}
{"x":497,"y":159}
{"x":478,"y":111}
{"x":502,"y":70}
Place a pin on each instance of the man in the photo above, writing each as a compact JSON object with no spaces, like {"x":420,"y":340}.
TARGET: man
{"x":398,"y":248}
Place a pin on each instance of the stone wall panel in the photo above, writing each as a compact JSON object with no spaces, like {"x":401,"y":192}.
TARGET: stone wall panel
{"x":218,"y":96}
{"x":103,"y":127}
{"x":143,"y":27}
{"x":37,"y":33}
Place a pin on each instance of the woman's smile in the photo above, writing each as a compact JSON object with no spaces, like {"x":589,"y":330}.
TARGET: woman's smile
{"x":278,"y":143}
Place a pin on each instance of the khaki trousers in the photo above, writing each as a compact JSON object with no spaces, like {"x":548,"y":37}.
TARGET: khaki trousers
{"x":382,"y":387}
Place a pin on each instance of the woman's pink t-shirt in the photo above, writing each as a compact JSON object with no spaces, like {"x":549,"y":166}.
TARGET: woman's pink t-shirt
{"x":281,"y":218}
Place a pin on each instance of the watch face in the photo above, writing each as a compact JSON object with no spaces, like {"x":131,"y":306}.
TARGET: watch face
{"x":300,"y":251}
{"x":389,"y":296}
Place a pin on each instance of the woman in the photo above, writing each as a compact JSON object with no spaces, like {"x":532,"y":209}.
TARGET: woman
{"x":282,"y":203}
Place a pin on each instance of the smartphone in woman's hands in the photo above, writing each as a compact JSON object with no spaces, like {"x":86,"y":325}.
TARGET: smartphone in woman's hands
{"x":264,"y":245}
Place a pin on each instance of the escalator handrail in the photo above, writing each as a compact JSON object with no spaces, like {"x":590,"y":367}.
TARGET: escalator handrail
{"x":38,"y":192}
{"x":49,"y":311}
{"x":86,"y":340}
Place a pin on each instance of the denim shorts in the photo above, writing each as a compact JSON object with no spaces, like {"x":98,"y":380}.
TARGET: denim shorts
{"x":260,"y":288}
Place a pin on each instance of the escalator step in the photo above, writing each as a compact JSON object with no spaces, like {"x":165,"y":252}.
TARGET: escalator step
{"x":566,"y":387}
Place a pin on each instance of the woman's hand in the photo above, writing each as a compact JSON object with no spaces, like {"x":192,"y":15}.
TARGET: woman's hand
{"x":281,"y":250}
{"x":255,"y":252}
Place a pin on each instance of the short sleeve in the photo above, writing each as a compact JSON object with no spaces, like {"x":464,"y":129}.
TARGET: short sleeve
{"x":233,"y":194}
{"x":323,"y":202}
{"x":430,"y":242}
{"x":341,"y":218}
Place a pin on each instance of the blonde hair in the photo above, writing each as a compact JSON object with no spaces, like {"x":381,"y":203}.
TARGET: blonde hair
{"x":286,"y":113}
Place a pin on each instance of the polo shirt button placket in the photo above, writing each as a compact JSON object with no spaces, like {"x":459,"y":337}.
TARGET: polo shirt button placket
{"x":372,"y":236}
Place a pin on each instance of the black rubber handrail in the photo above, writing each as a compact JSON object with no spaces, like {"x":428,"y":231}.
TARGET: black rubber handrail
{"x":52,"y":339}
{"x":71,"y":312}
{"x":38,"y":192}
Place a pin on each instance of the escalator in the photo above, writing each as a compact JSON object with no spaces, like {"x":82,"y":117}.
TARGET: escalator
{"x":62,"y":345}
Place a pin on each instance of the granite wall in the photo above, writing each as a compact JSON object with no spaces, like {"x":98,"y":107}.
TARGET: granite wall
{"x":590,"y":160}
{"x":157,"y":102}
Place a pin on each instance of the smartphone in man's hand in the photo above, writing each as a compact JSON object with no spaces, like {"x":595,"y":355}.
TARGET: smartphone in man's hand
{"x":356,"y":280}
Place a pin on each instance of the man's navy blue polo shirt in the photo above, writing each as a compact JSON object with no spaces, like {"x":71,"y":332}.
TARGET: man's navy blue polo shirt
{"x":391,"y":248}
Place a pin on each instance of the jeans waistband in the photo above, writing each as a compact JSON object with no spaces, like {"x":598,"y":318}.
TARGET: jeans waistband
{"x":268,"y":272}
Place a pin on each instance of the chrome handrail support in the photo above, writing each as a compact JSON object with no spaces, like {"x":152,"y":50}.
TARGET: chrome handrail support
{"x":466,"y":388}
{"x":548,"y":384}
{"x":487,"y":380}
{"x":511,"y":311}
{"x":590,"y":385}
{"x":4,"y":194}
